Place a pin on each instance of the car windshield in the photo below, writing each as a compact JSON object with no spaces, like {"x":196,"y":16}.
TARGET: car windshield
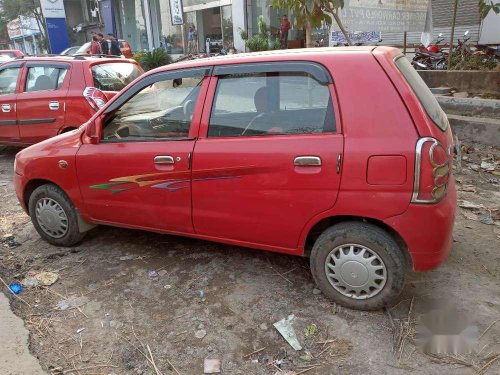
{"x":114,"y":76}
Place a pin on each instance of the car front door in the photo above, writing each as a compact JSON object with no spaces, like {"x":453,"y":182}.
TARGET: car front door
{"x":9,"y":81}
{"x":138,"y":173}
{"x":41,"y":102}
{"x":269,"y":153}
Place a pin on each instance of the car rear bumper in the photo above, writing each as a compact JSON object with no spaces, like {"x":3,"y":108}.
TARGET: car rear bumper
{"x":427,"y":230}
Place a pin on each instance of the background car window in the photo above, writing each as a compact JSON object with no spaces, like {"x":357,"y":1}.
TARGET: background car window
{"x":42,"y":78}
{"x":161,"y":111}
{"x":9,"y":55}
{"x":8,"y":80}
{"x":114,"y":76}
{"x":270,"y":104}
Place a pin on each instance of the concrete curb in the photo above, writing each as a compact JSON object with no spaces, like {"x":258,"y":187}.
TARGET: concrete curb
{"x":470,"y":106}
{"x":15,"y":357}
{"x":476,"y":129}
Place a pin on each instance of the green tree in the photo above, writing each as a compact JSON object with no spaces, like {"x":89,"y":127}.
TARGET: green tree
{"x":486,"y":5}
{"x":11,"y":9}
{"x":311,"y":14}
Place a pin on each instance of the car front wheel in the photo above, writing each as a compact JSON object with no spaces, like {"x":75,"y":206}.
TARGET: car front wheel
{"x":54,"y":216}
{"x":358,"y":265}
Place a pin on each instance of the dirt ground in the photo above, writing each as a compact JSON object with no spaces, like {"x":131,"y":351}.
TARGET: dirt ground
{"x":107,"y":314}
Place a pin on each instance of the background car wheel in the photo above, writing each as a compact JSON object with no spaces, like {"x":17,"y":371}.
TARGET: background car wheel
{"x":358,"y":265}
{"x":54,"y":216}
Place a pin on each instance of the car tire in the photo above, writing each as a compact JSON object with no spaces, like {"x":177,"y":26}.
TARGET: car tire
{"x":359,"y":279}
{"x":54,"y":216}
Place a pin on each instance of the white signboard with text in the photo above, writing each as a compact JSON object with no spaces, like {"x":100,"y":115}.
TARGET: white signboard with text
{"x":53,"y":8}
{"x":384,"y":16}
{"x":176,"y":12}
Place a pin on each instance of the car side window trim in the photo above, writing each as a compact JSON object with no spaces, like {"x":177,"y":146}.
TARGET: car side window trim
{"x":315,"y":70}
{"x":135,"y":140}
{"x":152,"y":79}
{"x":12,"y":65}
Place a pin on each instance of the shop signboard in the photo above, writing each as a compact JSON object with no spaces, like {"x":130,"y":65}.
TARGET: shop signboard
{"x":55,"y":18}
{"x":176,"y":12}
{"x":22,"y":27}
{"x":385,"y":16}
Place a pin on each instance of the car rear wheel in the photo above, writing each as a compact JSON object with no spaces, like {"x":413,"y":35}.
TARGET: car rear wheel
{"x":358,"y":265}
{"x":54,"y":216}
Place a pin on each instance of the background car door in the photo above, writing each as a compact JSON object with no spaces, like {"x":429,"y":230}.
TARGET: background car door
{"x":270,"y":160}
{"x":139,"y":173}
{"x":9,"y":78}
{"x":41,"y":102}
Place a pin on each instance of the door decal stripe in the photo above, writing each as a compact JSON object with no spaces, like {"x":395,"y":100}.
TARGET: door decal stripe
{"x":172,"y":181}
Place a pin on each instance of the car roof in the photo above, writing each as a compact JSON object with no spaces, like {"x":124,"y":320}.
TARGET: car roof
{"x":73,"y":59}
{"x":276,"y":55}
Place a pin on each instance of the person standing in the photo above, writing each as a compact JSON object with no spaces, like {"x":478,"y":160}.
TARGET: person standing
{"x":192,"y":40}
{"x":95,"y":46}
{"x":104,"y":44}
{"x":284,"y":27}
{"x":114,"y":46}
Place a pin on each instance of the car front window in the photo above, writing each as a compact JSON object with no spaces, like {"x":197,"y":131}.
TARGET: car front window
{"x":163,"y":110}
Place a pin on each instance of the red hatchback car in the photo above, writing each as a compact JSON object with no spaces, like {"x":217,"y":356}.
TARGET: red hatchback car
{"x":342,"y":155}
{"x":41,"y":97}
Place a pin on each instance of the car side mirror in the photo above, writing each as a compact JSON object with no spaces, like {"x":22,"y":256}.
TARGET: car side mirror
{"x":94,"y":130}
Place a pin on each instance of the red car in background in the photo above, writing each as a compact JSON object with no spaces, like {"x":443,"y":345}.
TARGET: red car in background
{"x":9,"y":54}
{"x":342,"y":155}
{"x":41,"y":97}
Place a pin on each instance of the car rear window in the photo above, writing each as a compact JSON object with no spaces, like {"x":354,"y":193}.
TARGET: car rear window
{"x":423,"y":93}
{"x":114,"y":76}
{"x":7,"y":54}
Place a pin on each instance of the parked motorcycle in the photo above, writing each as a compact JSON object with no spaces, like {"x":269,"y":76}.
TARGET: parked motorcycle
{"x":434,"y":48}
{"x":430,"y":57}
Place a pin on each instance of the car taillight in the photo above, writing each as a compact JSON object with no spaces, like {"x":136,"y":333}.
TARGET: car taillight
{"x":95,"y":97}
{"x":432,"y":171}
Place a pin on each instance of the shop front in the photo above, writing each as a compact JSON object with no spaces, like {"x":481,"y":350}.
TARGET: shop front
{"x":207,"y":26}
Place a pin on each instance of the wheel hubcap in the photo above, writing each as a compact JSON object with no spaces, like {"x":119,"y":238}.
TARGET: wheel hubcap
{"x":51,"y":217}
{"x":355,"y":271}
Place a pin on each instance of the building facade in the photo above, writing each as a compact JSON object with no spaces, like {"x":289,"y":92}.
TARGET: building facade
{"x":148,"y":24}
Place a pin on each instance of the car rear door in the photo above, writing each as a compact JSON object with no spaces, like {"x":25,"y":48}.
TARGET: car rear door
{"x":268,"y":158}
{"x":41,"y":102}
{"x":139,"y":172}
{"x":9,"y":83}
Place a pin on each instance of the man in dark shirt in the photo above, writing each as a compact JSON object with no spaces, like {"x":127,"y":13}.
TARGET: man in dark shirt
{"x":114,"y":46}
{"x":104,"y":43}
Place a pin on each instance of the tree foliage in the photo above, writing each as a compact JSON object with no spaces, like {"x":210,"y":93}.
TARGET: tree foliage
{"x":12,"y":9}
{"x":313,"y":13}
{"x":485,"y":6}
{"x":262,"y":41}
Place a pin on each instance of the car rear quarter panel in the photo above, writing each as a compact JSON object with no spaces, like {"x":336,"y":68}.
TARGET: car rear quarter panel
{"x":375,"y":123}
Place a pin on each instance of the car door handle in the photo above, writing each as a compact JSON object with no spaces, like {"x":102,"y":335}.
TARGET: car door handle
{"x":54,"y":106}
{"x":301,"y":161}
{"x":5,"y":107}
{"x":164,"y":160}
